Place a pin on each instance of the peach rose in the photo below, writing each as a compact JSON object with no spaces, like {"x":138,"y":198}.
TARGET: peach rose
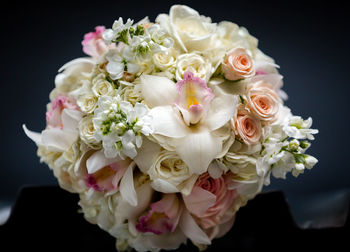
{"x":247,"y":127}
{"x":238,"y":65}
{"x":263,"y":100}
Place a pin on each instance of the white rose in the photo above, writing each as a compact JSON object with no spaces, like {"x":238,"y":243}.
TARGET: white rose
{"x":87,"y":102}
{"x":169,"y":173}
{"x":87,"y":131}
{"x":231,"y":35}
{"x":194,"y":63}
{"x":165,"y":60}
{"x":100,"y":86}
{"x":190,"y":30}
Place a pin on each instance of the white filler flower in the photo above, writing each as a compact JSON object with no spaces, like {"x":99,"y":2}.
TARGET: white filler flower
{"x":119,"y":126}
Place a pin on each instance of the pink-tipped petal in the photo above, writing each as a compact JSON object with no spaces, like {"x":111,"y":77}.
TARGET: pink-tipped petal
{"x":193,"y":96}
{"x":163,"y":216}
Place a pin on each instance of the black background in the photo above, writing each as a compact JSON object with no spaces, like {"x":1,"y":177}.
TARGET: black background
{"x":308,"y":40}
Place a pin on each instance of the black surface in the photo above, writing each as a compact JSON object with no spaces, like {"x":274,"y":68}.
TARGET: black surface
{"x":47,"y":219}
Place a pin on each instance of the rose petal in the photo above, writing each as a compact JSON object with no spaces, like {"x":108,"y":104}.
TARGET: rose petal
{"x":199,"y":201}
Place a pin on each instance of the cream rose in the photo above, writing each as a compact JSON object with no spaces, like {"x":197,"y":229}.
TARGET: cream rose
{"x":169,"y":172}
{"x":193,"y":63}
{"x":190,"y":30}
{"x":87,"y":131}
{"x":263,"y":100}
{"x":87,"y":102}
{"x":247,"y":127}
{"x":164,"y":60}
{"x":238,"y":65}
{"x":100,"y":86}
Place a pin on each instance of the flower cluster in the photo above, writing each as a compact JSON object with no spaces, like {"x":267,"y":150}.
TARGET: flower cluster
{"x":168,"y":128}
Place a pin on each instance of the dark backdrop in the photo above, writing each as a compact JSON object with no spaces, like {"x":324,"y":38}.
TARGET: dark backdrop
{"x":309,"y":42}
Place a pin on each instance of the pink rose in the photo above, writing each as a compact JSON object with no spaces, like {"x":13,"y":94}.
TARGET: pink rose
{"x":210,"y":201}
{"x":247,"y":127}
{"x":163,"y":215}
{"x":94,"y":44}
{"x":263,"y":100}
{"x":238,"y":65}
{"x":53,"y":116}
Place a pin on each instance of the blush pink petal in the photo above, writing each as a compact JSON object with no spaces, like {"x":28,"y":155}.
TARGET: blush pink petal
{"x":163,"y":216}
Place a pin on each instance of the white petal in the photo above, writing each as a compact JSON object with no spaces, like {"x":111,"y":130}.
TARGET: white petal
{"x":133,"y":68}
{"x":76,"y":62}
{"x":163,"y":186}
{"x":34,"y":136}
{"x":127,"y":211}
{"x":198,"y":150}
{"x":98,"y":160}
{"x":147,"y":154}
{"x":222,"y":109}
{"x":70,"y":119}
{"x":167,"y":122}
{"x":215,"y":171}
{"x":127,"y":189}
{"x":57,"y":139}
{"x":190,"y":228}
{"x":158,"y":91}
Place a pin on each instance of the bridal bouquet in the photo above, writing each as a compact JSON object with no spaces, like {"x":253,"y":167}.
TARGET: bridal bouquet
{"x":168,"y":128}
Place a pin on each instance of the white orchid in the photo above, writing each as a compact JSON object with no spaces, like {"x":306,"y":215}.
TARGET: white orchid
{"x":189,"y":117}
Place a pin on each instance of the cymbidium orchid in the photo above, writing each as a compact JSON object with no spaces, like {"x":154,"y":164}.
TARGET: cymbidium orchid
{"x":188,"y":115}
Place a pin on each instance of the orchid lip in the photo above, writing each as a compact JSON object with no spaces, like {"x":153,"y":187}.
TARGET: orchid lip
{"x":194,"y":98}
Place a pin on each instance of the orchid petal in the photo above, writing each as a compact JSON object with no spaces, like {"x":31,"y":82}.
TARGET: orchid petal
{"x":167,"y":122}
{"x":98,"y":160}
{"x":127,"y":189}
{"x":222,"y":109}
{"x":58,"y":140}
{"x":147,"y":154}
{"x":191,"y":229}
{"x":163,"y":186}
{"x":70,"y":119}
{"x":198,"y":150}
{"x":158,"y":91}
{"x":199,"y":201}
{"x":127,"y":211}
{"x":34,"y":136}
{"x":77,"y":61}
{"x":193,"y":96}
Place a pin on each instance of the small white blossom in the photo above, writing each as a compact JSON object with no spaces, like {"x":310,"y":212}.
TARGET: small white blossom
{"x":299,"y":128}
{"x":119,"y":126}
{"x":118,"y":63}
